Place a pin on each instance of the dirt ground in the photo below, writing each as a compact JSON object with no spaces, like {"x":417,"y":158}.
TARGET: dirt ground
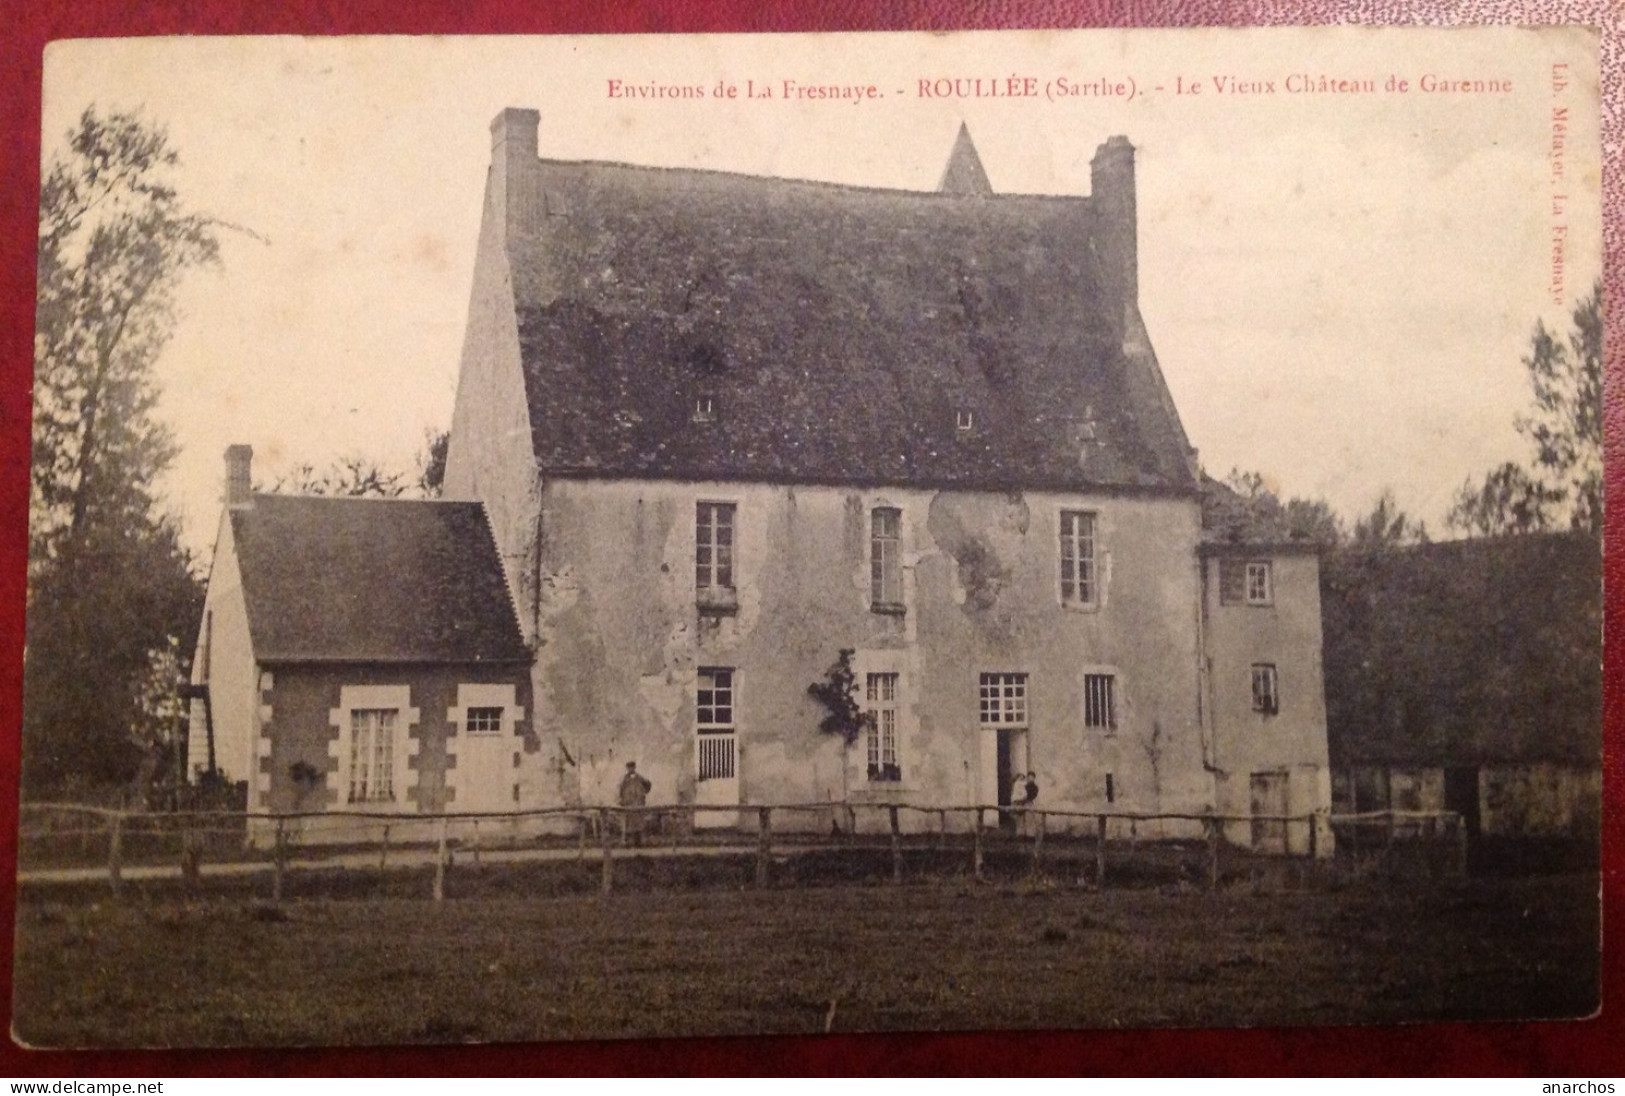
{"x":159,"y":971}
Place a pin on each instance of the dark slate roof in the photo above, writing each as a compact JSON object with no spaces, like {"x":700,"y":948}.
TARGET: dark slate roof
{"x":373,"y":580}
{"x":837,"y":331}
{"x":1465,"y":652}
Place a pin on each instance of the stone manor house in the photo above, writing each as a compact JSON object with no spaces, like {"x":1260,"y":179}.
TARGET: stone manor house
{"x":713,"y":429}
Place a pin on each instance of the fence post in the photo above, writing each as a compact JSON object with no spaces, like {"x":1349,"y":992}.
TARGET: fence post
{"x":1462,"y":843}
{"x":581,"y":847}
{"x":896,"y":846}
{"x":942,"y":829}
{"x":764,"y":843}
{"x":1212,"y":828}
{"x":383,"y":850}
{"x":1314,"y":836}
{"x":1100,"y":850}
{"x":440,"y":860}
{"x":976,"y":844}
{"x":604,"y":843}
{"x":115,"y":851}
{"x":476,"y":842}
{"x":191,"y":857}
{"x":279,"y":856}
{"x":1038,"y":841}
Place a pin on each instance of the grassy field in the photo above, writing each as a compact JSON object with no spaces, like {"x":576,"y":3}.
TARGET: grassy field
{"x":151,"y":972}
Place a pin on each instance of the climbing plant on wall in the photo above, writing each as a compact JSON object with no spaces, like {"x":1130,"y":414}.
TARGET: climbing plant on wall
{"x":838,"y":693}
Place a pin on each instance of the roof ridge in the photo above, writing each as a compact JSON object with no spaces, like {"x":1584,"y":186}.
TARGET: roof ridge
{"x":284,"y":497}
{"x":826,"y":184}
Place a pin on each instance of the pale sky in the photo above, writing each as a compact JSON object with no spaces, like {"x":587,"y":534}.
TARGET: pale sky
{"x":1339,"y":286}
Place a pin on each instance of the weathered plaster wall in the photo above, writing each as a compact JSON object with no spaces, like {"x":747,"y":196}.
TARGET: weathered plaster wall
{"x":1542,"y":799}
{"x":490,"y":457}
{"x":621,"y":639}
{"x":1534,"y":799}
{"x":1285,"y":633}
{"x":229,"y":662}
{"x":301,"y":700}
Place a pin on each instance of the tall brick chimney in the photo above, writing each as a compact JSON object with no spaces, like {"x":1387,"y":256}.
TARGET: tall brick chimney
{"x":1111,"y":185}
{"x":239,"y":477}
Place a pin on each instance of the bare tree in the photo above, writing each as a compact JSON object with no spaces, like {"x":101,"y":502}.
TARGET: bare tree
{"x":1562,"y":483}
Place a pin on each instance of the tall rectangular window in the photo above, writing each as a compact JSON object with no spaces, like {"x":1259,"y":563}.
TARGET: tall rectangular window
{"x":1259,"y":590}
{"x":716,"y":748}
{"x":372,"y":755}
{"x":1266,"y":689}
{"x":886,"y":559}
{"x":1078,"y":578}
{"x":1004,"y":700}
{"x":1100,"y":701}
{"x":714,"y":546}
{"x":882,"y":732}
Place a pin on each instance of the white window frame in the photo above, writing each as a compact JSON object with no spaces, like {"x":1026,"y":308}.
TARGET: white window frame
{"x":716,"y":741}
{"x":1258,"y":582}
{"x":1266,"y":682}
{"x":716,"y":726}
{"x":1008,"y":702}
{"x":1080,"y":569}
{"x":884,"y":730}
{"x":403,"y":744}
{"x":886,"y":560}
{"x":722,"y":557}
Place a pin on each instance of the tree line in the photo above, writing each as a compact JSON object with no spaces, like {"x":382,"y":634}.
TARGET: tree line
{"x":114,"y":596}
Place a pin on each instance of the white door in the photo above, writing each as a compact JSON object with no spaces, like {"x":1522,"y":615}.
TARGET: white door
{"x":717,"y":782}
{"x":716,"y":748}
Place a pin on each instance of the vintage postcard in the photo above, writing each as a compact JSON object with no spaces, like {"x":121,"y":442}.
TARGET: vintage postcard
{"x":586,"y":538}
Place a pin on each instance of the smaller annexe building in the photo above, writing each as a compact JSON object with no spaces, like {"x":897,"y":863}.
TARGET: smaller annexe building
{"x":1263,"y":691}
{"x":358,"y":655}
{"x":1467,"y":676}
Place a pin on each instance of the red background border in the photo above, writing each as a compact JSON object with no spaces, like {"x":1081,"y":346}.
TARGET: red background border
{"x":1577,"y":1049}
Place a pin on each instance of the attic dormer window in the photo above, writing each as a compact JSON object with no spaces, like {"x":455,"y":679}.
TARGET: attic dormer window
{"x":964,"y":420}
{"x":705,"y":409}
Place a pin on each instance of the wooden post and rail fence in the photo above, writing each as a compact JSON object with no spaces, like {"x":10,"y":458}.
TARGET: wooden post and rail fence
{"x":561,"y":833}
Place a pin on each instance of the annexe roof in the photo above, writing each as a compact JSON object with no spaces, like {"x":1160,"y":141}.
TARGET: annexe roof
{"x":1465,"y":652}
{"x":840,"y":334}
{"x":373,"y":580}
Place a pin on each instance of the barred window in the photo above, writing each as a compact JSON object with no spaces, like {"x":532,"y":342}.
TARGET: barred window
{"x":1266,"y":689}
{"x":1100,"y":701}
{"x":1004,"y":700}
{"x":1078,"y":586}
{"x":372,"y":755}
{"x":882,"y":730}
{"x":714,"y":546}
{"x":484,"y":721}
{"x":885,"y":558}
